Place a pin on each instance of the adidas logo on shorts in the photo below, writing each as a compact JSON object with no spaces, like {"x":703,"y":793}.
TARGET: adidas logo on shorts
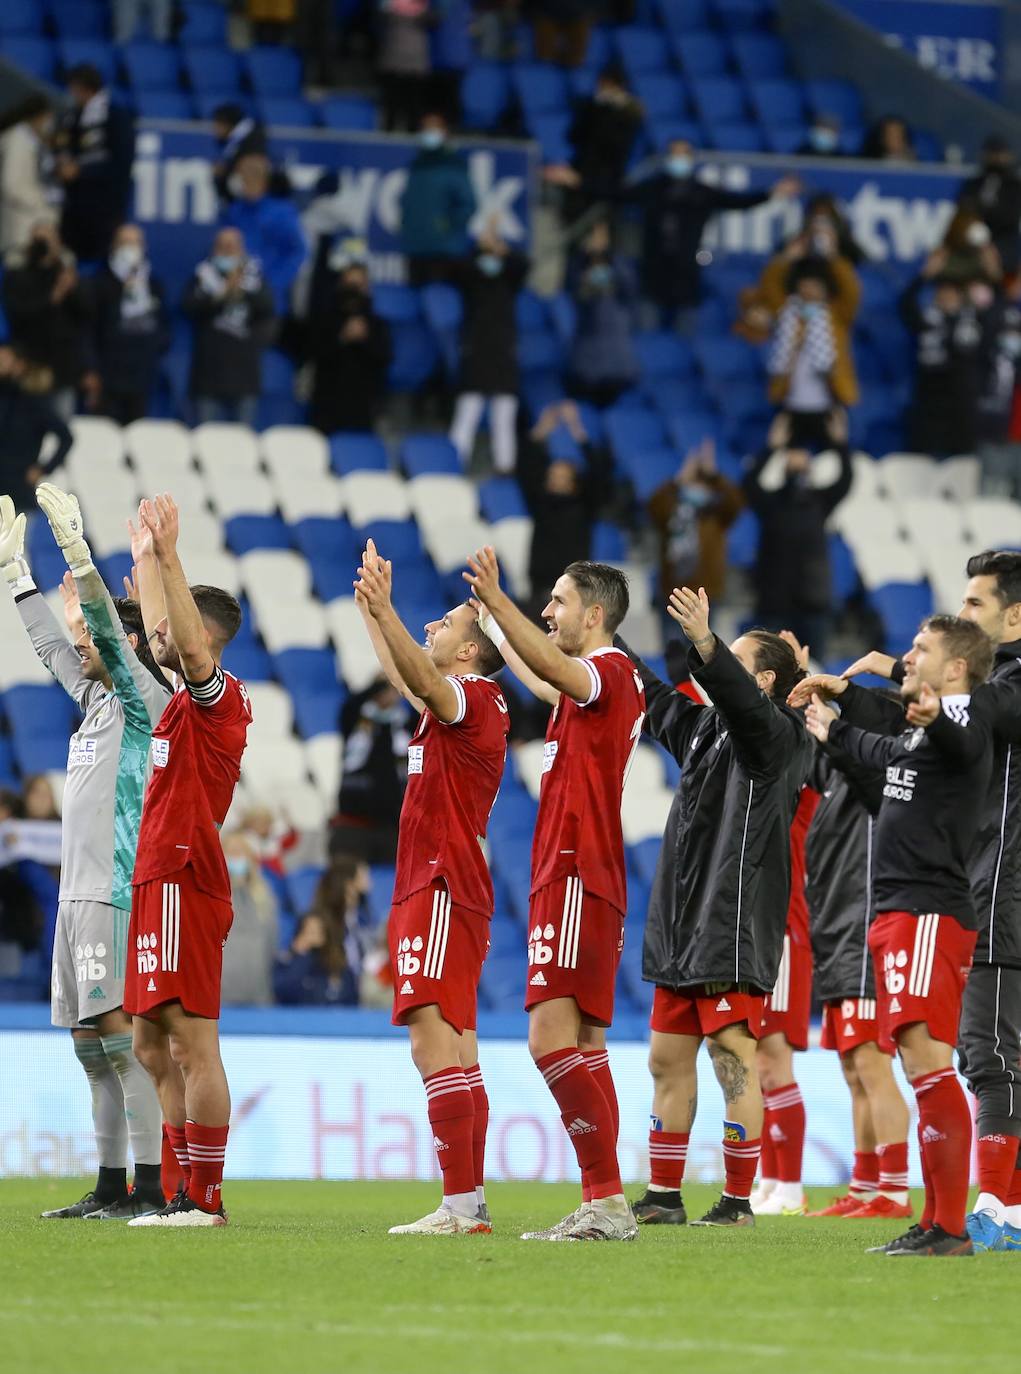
{"x":406,"y":988}
{"x":152,"y":985}
{"x":537,"y":980}
{"x":895,"y":1005}
{"x":848,"y":1030}
{"x":723,"y":1005}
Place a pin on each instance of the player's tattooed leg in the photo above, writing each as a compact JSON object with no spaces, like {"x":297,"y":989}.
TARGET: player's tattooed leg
{"x":731,"y":1074}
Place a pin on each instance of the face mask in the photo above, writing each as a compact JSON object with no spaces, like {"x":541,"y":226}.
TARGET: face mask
{"x":382,"y":715}
{"x":491,"y":264}
{"x":977,"y":235}
{"x":432,"y":138}
{"x":126,"y":258}
{"x":699,"y":497}
{"x":235,"y":185}
{"x":601,"y":274}
{"x":823,"y":139}
{"x":238,"y":866}
{"x":225,"y":263}
{"x":810,"y":310}
{"x":679,"y":166}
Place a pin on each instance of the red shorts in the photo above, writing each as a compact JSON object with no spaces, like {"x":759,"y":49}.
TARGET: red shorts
{"x":922,"y":965}
{"x":574,"y":947}
{"x":176,"y":935}
{"x":436,"y":954}
{"x":849,"y":1023}
{"x":788,"y":1009}
{"x":707,"y":1008}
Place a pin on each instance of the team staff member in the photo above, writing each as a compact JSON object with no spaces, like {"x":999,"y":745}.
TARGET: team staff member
{"x":714,"y":935}
{"x":923,"y":937}
{"x":443,"y":895}
{"x":838,"y":887}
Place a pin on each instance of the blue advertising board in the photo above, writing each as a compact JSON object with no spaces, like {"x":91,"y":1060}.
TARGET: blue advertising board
{"x":958,"y":39}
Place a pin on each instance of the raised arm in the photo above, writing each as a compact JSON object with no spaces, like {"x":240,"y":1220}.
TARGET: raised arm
{"x":536,"y":651}
{"x":160,"y":517}
{"x":425,"y":685}
{"x":962,"y":735}
{"x":145,"y":578}
{"x":539,"y":689}
{"x":861,"y":746}
{"x":671,"y":718}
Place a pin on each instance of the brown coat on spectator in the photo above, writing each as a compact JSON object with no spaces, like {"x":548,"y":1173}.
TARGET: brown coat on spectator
{"x":713,"y":523}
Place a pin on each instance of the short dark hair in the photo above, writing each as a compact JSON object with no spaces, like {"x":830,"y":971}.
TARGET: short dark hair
{"x":228,"y":113}
{"x":87,"y":75}
{"x":601,"y":584}
{"x":774,"y":655}
{"x":1005,"y":568}
{"x":130,"y":615}
{"x":489,"y":659}
{"x":811,"y":269}
{"x":219,"y":609}
{"x":964,"y":639}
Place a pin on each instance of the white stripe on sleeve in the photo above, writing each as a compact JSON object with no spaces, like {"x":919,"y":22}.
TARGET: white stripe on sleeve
{"x":597,"y":681}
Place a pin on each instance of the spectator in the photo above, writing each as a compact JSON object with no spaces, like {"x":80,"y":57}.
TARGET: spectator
{"x":271,"y":837}
{"x":249,"y":954}
{"x":691,"y":514}
{"x":811,"y":369}
{"x":374,"y":728}
{"x":127,"y":14}
{"x":323,"y":964}
{"x":28,"y":186}
{"x":676,"y":208}
{"x":889,"y":140}
{"x":602,"y":135}
{"x":39,"y":800}
{"x":948,"y":362}
{"x":232,"y":311}
{"x":495,"y":21}
{"x":404,"y":62}
{"x":27,"y":417}
{"x":271,"y":20}
{"x":270,"y":226}
{"x":822,"y":211}
{"x":1000,"y":455}
{"x":826,"y":235}
{"x":561,"y":31}
{"x":490,"y":281}
{"x":794,"y":495}
{"x":968,"y":251}
{"x":21,"y":920}
{"x":563,"y":494}
{"x":602,"y":362}
{"x":128,"y":330}
{"x":350,"y":350}
{"x":96,"y":151}
{"x":450,"y":47}
{"x":238,"y":135}
{"x":437,"y":205}
{"x":46,"y":311}
{"x":995,"y":196}
{"x":823,"y":137}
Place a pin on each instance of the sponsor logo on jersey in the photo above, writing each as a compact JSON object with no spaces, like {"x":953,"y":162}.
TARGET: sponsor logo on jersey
{"x":81,"y":753}
{"x":160,"y":753}
{"x":895,"y":1005}
{"x":415,"y":752}
{"x":407,"y":963}
{"x":847,"y":1008}
{"x":406,"y":988}
{"x":579,"y":1126}
{"x":900,"y":782}
{"x":537,"y":980}
{"x":549,"y":754}
{"x":777,"y":1134}
{"x":848,"y":1031}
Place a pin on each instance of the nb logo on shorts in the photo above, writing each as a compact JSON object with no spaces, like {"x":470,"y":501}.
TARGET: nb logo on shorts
{"x":407,"y":963}
{"x":538,"y":951}
{"x":147,"y":961}
{"x":892,"y":964}
{"x":160,"y":753}
{"x":88,"y":967}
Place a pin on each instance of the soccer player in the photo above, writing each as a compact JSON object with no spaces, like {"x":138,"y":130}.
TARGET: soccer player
{"x":838,"y":887}
{"x":784,"y":1029}
{"x":579,"y":884}
{"x":443,"y":896}
{"x":110,"y":675}
{"x":923,"y":937}
{"x":181,"y":911}
{"x":714,"y":936}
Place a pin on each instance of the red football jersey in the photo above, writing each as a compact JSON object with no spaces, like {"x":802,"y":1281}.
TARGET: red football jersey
{"x":585,"y":760}
{"x":797,"y":908}
{"x":454,"y":774}
{"x":196,"y":758}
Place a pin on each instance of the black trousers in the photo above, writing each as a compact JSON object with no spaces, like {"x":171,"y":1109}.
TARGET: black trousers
{"x":989,"y":1046}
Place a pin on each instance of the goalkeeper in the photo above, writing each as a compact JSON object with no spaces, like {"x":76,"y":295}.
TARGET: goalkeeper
{"x":111,"y":676}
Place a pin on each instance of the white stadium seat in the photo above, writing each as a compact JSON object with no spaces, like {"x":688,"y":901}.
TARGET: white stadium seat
{"x":233,"y":492}
{"x":372,"y":496}
{"x":268,"y":765}
{"x":356,"y":660}
{"x":214,"y":569}
{"x":866,"y":476}
{"x":272,"y":711}
{"x":302,"y":804}
{"x":294,"y":452}
{"x":959,"y":478}
{"x":275,"y":575}
{"x":994,"y":524}
{"x":643,"y":630}
{"x":935,"y":526}
{"x":19,"y":662}
{"x":302,"y":496}
{"x":512,"y":539}
{"x":324,"y":757}
{"x":646,"y":770}
{"x":527,"y":759}
{"x":450,"y":543}
{"x":96,"y":439}
{"x":643,"y":815}
{"x":286,"y":624}
{"x":164,"y":445}
{"x":436,"y":498}
{"x":225,"y":448}
{"x":201,"y":533}
{"x":907,"y":475}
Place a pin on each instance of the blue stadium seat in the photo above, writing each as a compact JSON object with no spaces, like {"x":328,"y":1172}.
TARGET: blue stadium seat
{"x":277,"y":373}
{"x":288,"y":112}
{"x":415,"y":356}
{"x":643,"y":858}
{"x":36,"y":56}
{"x":506,"y":940}
{"x":743,"y":540}
{"x":777,"y":101}
{"x":273,"y":72}
{"x":301,"y":887}
{"x":662,"y":132}
{"x":719,"y":99}
{"x":513,"y":811}
{"x":443,"y":309}
{"x":163,"y":104}
{"x":700,"y":53}
{"x":724,"y":358}
{"x":332,"y":550}
{"x":630,"y":432}
{"x":742,"y":137}
{"x":928,"y":146}
{"x":845,"y":574}
{"x":95,"y":51}
{"x":664,"y":354}
{"x":500,"y":498}
{"x":398,"y":540}
{"x":672,"y":395}
{"x":640,"y":49}
{"x":8,"y":768}
{"x":428,"y":453}
{"x":247,"y":532}
{"x":151,"y":66}
{"x":692,"y":428}
{"x":785,"y":138}
{"x":24,"y":17}
{"x":759,"y":55}
{"x":540,"y":389}
{"x":503,"y":981}
{"x":355,"y":452}
{"x":745,"y":14}
{"x":212,"y":69}
{"x":663,"y":95}
{"x":838,"y":98}
{"x":249,"y":662}
{"x":531,"y":311}
{"x":348,"y":112}
{"x":608,"y":542}
{"x":650,"y":468}
{"x":310,"y":676}
{"x":485,"y":95}
{"x":204,"y":24}
{"x":901,"y":607}
{"x":208,"y":102}
{"x":397,"y":304}
{"x":41,"y":720}
{"x":381,"y":890}
{"x":550,"y":132}
{"x":540,"y":88}
{"x":79,"y":18}
{"x":540,"y":350}
{"x":684,"y":14}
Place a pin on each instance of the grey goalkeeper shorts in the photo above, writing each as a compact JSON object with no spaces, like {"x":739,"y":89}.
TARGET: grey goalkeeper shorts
{"x":89,"y":949}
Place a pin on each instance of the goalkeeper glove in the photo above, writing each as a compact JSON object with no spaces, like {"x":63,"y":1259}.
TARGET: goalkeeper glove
{"x":62,"y":511}
{"x":12,"y":547}
{"x":490,"y":629}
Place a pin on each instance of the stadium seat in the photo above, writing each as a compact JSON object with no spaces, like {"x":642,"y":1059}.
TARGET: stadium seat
{"x":226,"y":448}
{"x":436,"y":498}
{"x":485,"y":95}
{"x":288,"y":624}
{"x":644,"y":814}
{"x":500,"y":497}
{"x":785,"y":138}
{"x":759,"y":55}
{"x":630,"y":433}
{"x":663,"y":354}
{"x":428,"y":453}
{"x":204,"y":24}
{"x":958,"y":478}
{"x":212,"y":69}
{"x":163,"y":104}
{"x":348,"y":112}
{"x":640,"y":49}
{"x":644,"y":856}
{"x":540,"y":88}
{"x":240,"y":493}
{"x":838,"y":98}
{"x":248,"y":533}
{"x":777,"y":101}
{"x":415,"y":356}
{"x":35,"y":56}
{"x":903,"y":476}
{"x":323,"y":761}
{"x":22,"y":17}
{"x":352,"y":452}
{"x":608,"y":542}
{"x":332,"y":551}
{"x":650,"y":469}
{"x":270,"y":573}
{"x":272,"y":712}
{"x":271,"y":764}
{"x":551,"y":131}
{"x":700,"y":52}
{"x":372,"y":496}
{"x":741,"y":137}
{"x":95,"y":51}
{"x":994,"y":524}
{"x":663,"y":95}
{"x":79,"y":18}
{"x":512,"y":539}
{"x":398,"y":540}
{"x":719,"y":100}
{"x":151,"y":66}
{"x":273,"y":72}
{"x":683,"y":14}
{"x":249,"y":662}
{"x":301,"y":497}
{"x":449,"y":543}
{"x":287,"y":112}
{"x":901,"y":607}
{"x":357,"y":660}
{"x":301,"y":884}
{"x":294,"y":451}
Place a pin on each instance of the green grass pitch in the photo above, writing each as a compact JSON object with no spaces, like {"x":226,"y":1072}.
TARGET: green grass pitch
{"x":306,"y":1280}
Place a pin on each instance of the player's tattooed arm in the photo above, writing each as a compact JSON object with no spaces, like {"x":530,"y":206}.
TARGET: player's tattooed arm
{"x":565,"y":675}
{"x":731,"y":1074}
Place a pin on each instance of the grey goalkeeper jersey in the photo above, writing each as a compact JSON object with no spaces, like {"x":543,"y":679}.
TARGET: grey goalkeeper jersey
{"x":108,"y":757}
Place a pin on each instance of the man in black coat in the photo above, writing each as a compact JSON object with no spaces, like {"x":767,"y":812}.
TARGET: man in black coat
{"x":237,"y":135}
{"x":350,"y":348}
{"x":46,"y":310}
{"x":96,"y":150}
{"x":949,"y":362}
{"x":128,"y":330}
{"x":995,"y":196}
{"x":718,"y":911}
{"x":374,"y":728}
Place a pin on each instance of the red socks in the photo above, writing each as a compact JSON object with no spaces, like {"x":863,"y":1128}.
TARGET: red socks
{"x":944,"y":1133}
{"x":740,"y":1161}
{"x":997,"y":1161}
{"x":598,"y":1064}
{"x":452,"y":1118}
{"x":480,"y":1122}
{"x":587,"y":1119}
{"x":767,"y":1158}
{"x":668,"y":1154}
{"x":179,"y":1145}
{"x":893,"y":1169}
{"x":172,"y":1175}
{"x":207,"y":1146}
{"x":865,"y":1174}
{"x":784,"y":1128}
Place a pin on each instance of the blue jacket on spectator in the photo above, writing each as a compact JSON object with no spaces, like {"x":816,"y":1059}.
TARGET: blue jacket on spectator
{"x":437,"y":205}
{"x":273,"y":234}
{"x":301,"y":980}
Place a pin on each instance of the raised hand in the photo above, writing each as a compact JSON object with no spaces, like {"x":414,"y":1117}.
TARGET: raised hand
{"x":141,"y":538}
{"x":375,"y":581}
{"x":691,"y":611}
{"x":484,"y":575}
{"x":131,"y":584}
{"x":73,"y":614}
{"x":873,"y":662}
{"x":926,"y":709}
{"x":65,"y":519}
{"x":801,"y":651}
{"x":161,"y":518}
{"x":823,"y":685}
{"x":818,"y":718}
{"x":12,"y":542}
